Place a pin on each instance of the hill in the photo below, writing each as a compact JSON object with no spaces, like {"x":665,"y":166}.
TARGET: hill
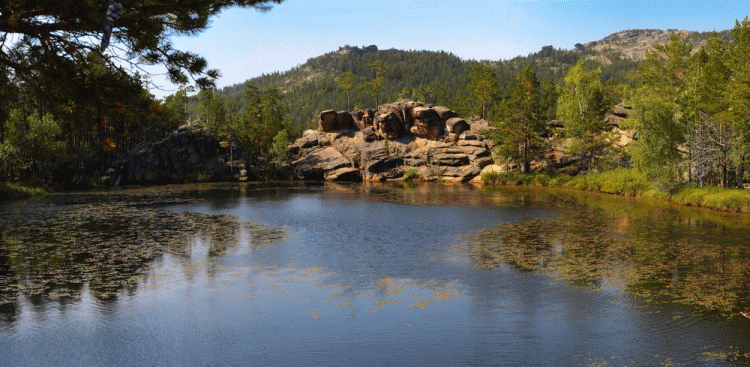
{"x":438,"y":77}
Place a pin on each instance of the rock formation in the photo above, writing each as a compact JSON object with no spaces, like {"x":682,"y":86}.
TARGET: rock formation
{"x":399,"y":137}
{"x":183,"y":156}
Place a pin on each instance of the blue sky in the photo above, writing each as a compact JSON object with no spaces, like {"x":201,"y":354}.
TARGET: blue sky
{"x":243,"y":43}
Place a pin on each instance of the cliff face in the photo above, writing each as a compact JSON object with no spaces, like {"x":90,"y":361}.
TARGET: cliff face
{"x":403,"y":138}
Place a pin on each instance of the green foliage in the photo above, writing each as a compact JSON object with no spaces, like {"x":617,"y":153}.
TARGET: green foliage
{"x":516,"y":178}
{"x":581,"y":103}
{"x":375,"y":85}
{"x":626,"y":182}
{"x":665,"y":69}
{"x":735,"y":200}
{"x":16,"y":191}
{"x":411,"y":175}
{"x":345,"y":81}
{"x":31,"y":140}
{"x":213,"y":111}
{"x":280,"y":148}
{"x":262,"y":121}
{"x":55,"y":37}
{"x":523,"y":120}
{"x":311,"y":87}
{"x":581,"y":107}
{"x":483,"y":89}
{"x":656,"y":151}
{"x":438,"y":170}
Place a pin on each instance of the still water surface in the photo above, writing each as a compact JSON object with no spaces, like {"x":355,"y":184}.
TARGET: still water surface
{"x":369,"y":275}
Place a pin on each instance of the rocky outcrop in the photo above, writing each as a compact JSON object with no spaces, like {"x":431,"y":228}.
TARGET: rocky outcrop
{"x":634,"y":44}
{"x":430,"y":141}
{"x":183,"y":156}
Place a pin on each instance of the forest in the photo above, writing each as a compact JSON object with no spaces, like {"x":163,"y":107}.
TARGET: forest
{"x":67,"y":110}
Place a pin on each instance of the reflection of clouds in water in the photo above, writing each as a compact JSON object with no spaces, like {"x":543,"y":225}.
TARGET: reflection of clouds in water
{"x":289,"y":292}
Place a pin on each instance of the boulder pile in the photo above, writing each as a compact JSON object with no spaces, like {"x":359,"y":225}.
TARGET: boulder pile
{"x":402,"y":138}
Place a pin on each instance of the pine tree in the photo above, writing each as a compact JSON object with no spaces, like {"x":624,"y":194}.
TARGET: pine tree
{"x":60,"y":34}
{"x":375,"y":85}
{"x":484,"y":88}
{"x":345,"y":81}
{"x":523,"y":119}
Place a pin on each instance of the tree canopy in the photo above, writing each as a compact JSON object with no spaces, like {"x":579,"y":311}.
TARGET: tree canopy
{"x":523,"y":115}
{"x":56,"y":34}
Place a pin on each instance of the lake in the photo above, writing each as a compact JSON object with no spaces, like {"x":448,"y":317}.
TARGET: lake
{"x":370,"y":274}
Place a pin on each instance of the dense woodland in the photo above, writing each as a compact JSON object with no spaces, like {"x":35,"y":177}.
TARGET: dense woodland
{"x":67,"y":109}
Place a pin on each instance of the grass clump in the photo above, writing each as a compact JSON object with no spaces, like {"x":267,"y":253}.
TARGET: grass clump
{"x":631,"y":182}
{"x":411,"y":175}
{"x":735,"y":200}
{"x":620,"y":181}
{"x":627,"y":182}
{"x":515,"y":178}
{"x":15,"y":191}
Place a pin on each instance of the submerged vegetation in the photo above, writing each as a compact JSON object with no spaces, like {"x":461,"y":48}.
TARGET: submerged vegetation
{"x":106,"y":240}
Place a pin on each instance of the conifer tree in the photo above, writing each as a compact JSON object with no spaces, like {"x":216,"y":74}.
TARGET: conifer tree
{"x":376,"y":84}
{"x":523,"y":119}
{"x":55,"y":35}
{"x":345,"y":81}
{"x":484,"y":88}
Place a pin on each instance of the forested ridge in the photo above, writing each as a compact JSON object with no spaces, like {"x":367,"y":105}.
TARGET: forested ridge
{"x":434,"y":77}
{"x":68,"y":108}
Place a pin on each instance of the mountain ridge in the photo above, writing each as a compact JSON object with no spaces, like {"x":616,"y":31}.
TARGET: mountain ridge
{"x":440,"y":77}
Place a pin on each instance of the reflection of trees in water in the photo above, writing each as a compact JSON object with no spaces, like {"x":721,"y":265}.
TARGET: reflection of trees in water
{"x":106,"y":242}
{"x":660,"y":258}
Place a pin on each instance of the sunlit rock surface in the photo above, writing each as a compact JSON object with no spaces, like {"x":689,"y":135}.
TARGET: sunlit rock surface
{"x":431,"y":142}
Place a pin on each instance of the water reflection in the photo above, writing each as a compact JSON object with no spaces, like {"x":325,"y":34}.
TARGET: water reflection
{"x":660,"y":257}
{"x":104,"y":244}
{"x":366,"y":274}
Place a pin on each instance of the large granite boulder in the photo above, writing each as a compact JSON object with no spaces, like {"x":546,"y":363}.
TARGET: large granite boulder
{"x":427,"y":123}
{"x":363,"y":118}
{"x":456,"y":125}
{"x":388,"y":125}
{"x":331,"y":120}
{"x":445,"y":113}
{"x":185,"y":155}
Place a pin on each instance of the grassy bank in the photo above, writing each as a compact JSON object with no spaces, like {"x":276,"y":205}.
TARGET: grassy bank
{"x":14,"y":191}
{"x":629,"y":182}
